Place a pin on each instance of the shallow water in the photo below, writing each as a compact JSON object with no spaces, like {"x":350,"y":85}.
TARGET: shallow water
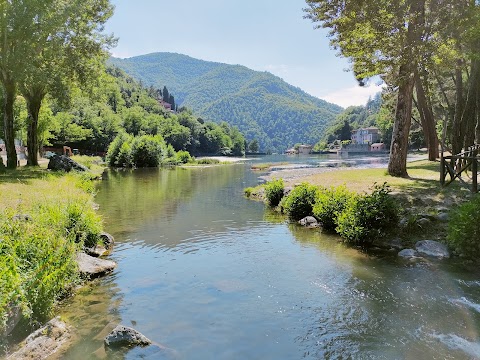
{"x":211,"y":275}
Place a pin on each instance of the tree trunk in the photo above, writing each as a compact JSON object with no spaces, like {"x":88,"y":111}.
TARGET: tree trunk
{"x":458,"y":133}
{"x":34,"y":102}
{"x":428,"y":120}
{"x":469,"y":115}
{"x":397,"y":165}
{"x":8,"y":122}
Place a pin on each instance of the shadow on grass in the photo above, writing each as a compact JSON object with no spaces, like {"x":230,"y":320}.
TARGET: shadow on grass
{"x":25,"y":174}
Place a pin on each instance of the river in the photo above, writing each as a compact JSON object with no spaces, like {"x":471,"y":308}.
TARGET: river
{"x":212,"y":275}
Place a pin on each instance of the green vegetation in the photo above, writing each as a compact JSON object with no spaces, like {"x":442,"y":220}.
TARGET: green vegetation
{"x":329,"y":204}
{"x":418,"y":70}
{"x":44,"y":221}
{"x":300,"y":201}
{"x":274,"y":191}
{"x":261,"y":105}
{"x":463,"y":231}
{"x":367,"y":217}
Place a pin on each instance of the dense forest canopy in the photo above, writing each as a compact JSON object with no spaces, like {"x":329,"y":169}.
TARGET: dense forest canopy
{"x":261,"y":105}
{"x":119,"y":104}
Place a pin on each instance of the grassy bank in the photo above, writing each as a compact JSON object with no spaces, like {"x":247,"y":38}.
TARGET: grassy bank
{"x":419,"y":199}
{"x":44,"y":219}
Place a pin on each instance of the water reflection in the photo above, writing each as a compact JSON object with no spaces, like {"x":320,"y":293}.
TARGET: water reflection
{"x":211,"y":274}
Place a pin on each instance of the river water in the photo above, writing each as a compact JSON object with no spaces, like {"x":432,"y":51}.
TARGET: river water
{"x":211,"y":275}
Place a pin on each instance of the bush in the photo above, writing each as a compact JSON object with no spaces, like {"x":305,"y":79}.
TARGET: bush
{"x":299,"y":203}
{"x":183,"y":157}
{"x":329,"y":204}
{"x":208,"y":161}
{"x":115,"y":147}
{"x":147,"y":150}
{"x":368,"y":217}
{"x":463,"y":234}
{"x":274,"y":191}
{"x":248,"y":191}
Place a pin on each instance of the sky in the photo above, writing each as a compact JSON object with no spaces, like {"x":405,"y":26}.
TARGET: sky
{"x":264,"y":35}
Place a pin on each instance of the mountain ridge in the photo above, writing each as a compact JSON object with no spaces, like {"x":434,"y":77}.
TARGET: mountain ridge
{"x":262,"y":105}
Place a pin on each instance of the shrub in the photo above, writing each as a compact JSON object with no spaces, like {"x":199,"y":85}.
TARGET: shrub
{"x":147,"y":150}
{"x":329,"y":205}
{"x":183,"y":157}
{"x":248,"y":191}
{"x":114,"y":148}
{"x":124,"y":157}
{"x":463,"y":234}
{"x":367,"y":217}
{"x":208,"y":161}
{"x":299,"y":203}
{"x":274,"y":191}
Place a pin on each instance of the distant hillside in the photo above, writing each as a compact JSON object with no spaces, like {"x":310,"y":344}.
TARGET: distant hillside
{"x":261,"y":105}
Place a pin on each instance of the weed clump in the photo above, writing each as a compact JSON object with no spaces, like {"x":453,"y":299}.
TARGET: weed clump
{"x":274,"y":191}
{"x":463,"y":234}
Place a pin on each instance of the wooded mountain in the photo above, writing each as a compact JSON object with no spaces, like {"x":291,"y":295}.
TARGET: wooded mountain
{"x":261,"y":105}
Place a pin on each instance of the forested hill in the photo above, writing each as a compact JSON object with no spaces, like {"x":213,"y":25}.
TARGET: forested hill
{"x":261,"y":105}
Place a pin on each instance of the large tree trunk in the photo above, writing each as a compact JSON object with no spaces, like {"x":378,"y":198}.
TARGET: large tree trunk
{"x":8,"y":122}
{"x":34,"y":102}
{"x":469,"y":115}
{"x":397,"y":165}
{"x":427,"y":118}
{"x":458,"y":133}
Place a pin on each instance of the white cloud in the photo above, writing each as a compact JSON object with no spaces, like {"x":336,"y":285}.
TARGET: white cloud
{"x":355,"y":95}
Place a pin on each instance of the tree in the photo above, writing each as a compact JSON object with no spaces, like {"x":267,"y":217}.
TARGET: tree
{"x":381,"y":38}
{"x":47,"y":46}
{"x":166,"y":95}
{"x":253,"y":146}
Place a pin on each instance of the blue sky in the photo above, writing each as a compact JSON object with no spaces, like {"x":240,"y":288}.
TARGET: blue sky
{"x":263,"y":35}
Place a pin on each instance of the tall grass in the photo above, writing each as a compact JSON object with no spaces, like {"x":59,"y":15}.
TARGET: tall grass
{"x":43,"y":223}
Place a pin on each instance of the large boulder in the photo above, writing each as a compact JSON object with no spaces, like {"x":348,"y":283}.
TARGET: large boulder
{"x":64,"y":163}
{"x":309,"y":221}
{"x":91,"y":267}
{"x":126,"y":336}
{"x":51,"y":339}
{"x":432,"y":248}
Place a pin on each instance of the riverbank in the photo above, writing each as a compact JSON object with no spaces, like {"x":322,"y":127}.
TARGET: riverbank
{"x":420,"y":198}
{"x":46,"y":218}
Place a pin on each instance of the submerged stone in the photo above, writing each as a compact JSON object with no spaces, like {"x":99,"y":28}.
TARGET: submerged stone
{"x":309,"y":221}
{"x":47,"y":341}
{"x":432,"y":248}
{"x":408,"y":253}
{"x":126,"y":336}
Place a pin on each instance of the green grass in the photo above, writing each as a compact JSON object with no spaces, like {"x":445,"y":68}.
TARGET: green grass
{"x":37,"y":249}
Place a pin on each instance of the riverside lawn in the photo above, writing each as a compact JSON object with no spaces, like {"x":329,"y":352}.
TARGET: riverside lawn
{"x":45,"y":218}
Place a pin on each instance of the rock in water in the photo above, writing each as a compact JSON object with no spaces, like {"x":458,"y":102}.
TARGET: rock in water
{"x":432,"y":248}
{"x":107,"y":240}
{"x":51,"y":339}
{"x":408,"y":253}
{"x":309,"y":221}
{"x":64,"y":163}
{"x":125,"y":336}
{"x":92,"y":267}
